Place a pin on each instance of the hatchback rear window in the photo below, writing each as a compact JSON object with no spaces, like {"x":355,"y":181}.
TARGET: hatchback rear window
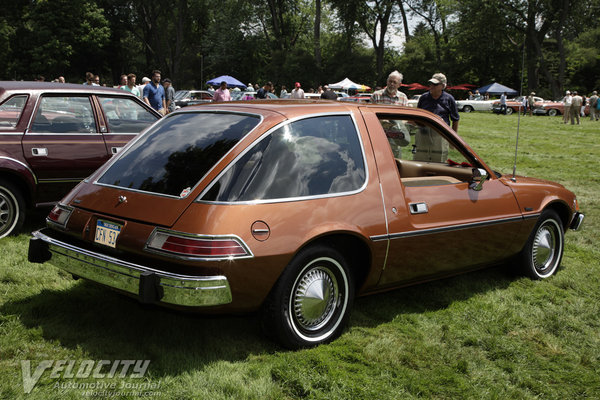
{"x":173,"y":156}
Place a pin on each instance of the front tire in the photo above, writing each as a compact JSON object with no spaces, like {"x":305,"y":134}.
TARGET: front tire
{"x":310,"y":303}
{"x":467,"y":109}
{"x":553,"y":112}
{"x":509,"y":110}
{"x":543,"y":252}
{"x":12,"y":208}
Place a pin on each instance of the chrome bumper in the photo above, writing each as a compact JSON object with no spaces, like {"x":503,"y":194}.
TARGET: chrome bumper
{"x":577,"y":221}
{"x":150,"y":285}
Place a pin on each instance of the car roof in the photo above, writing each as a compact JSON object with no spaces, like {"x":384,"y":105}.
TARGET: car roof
{"x":58,"y":87}
{"x":292,"y":108}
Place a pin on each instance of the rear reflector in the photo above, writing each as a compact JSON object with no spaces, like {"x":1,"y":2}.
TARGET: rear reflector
{"x":197,"y":246}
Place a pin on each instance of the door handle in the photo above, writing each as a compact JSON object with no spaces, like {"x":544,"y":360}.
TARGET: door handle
{"x":115,"y":150}
{"x":418,"y":208}
{"x":39,"y":151}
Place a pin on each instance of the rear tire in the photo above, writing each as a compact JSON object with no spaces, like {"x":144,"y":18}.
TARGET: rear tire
{"x":553,"y":112}
{"x":543,"y":252}
{"x":12,"y":208}
{"x":467,"y":109}
{"x":310,"y":303}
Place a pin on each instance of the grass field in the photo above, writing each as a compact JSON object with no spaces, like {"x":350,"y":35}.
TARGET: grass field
{"x":485,"y":335}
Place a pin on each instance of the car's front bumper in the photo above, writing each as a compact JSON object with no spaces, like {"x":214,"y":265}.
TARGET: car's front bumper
{"x":150,"y":285}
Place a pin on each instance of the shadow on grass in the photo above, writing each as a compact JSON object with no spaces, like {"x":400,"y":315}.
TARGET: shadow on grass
{"x":110,"y":326}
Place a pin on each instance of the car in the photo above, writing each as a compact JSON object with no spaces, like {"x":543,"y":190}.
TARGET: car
{"x":185,"y":98}
{"x":514,"y":105}
{"x":414,"y":100}
{"x":248,"y":95}
{"x":293,"y":208}
{"x":477,"y":104}
{"x":54,"y":135}
{"x":553,"y":108}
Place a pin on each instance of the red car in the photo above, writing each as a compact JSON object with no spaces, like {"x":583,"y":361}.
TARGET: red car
{"x":54,"y":135}
{"x":294,"y":208}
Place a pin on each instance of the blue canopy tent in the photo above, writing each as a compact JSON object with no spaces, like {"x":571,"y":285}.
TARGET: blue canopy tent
{"x":231,"y":82}
{"x":496,"y":88}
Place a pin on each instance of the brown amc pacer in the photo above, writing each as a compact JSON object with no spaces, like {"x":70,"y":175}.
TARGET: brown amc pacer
{"x":293,"y":208}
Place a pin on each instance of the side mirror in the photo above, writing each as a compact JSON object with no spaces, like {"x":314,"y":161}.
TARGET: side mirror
{"x":479,"y":176}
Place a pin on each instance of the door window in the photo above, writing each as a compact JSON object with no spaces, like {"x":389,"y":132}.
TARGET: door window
{"x":125,"y":115}
{"x":10,"y":111}
{"x":64,"y":114}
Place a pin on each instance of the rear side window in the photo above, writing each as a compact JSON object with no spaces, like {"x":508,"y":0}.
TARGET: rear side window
{"x":175,"y":154}
{"x":310,"y":157}
{"x":10,"y":111}
{"x":64,"y":114}
{"x":125,"y":115}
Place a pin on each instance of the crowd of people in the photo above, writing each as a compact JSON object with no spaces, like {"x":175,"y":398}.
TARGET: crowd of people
{"x":159,"y":94}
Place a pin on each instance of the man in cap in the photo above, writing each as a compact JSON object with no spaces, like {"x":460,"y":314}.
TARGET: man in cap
{"x":297,"y":93}
{"x":440,"y":102}
{"x":530,"y":102}
{"x":328,"y":94}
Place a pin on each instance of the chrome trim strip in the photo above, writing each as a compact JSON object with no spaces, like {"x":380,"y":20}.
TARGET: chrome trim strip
{"x":178,"y":256}
{"x":450,"y":228}
{"x":289,"y":199}
{"x":139,"y":137}
{"x":183,"y":290}
{"x":35,"y":179}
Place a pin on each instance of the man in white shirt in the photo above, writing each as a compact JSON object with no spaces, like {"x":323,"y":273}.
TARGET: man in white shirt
{"x":297,"y":93}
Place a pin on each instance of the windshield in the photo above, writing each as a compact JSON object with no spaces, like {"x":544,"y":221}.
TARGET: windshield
{"x":173,"y":156}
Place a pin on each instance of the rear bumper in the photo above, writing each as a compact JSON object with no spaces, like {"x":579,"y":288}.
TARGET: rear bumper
{"x":150,"y":285}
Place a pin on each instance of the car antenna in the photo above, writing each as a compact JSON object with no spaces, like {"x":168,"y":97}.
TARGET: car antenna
{"x":514,"y":177}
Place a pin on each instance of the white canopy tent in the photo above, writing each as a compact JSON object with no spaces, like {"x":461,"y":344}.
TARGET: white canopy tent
{"x":348,"y":84}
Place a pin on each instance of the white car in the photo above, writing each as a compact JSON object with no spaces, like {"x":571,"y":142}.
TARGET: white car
{"x":474,"y":105}
{"x":412,"y":102}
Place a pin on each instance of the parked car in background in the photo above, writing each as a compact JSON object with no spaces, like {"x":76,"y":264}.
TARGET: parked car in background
{"x":248,"y":95}
{"x":292,"y":208}
{"x":478,"y":104}
{"x":54,"y":135}
{"x":184,"y":98}
{"x":513,"y":105}
{"x":553,"y":108}
{"x":414,"y":100}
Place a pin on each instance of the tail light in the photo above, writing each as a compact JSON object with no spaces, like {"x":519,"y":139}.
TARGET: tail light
{"x":59,"y":215}
{"x":197,"y":246}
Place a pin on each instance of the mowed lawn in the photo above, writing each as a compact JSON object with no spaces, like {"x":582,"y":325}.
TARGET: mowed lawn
{"x":491,"y":334}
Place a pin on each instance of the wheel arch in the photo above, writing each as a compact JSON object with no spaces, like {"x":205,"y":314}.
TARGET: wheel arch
{"x":563,"y":211}
{"x":20,"y":176}
{"x":354,"y":249}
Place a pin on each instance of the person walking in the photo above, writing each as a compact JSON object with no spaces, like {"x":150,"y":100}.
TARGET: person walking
{"x":131,"y":87}
{"x":439,"y":101}
{"x":593,"y":106}
{"x":169,"y":95}
{"x":154,"y":93}
{"x":222,"y":93}
{"x":390,"y":94}
{"x":530,"y":102}
{"x":328,"y":94}
{"x":263,"y":91}
{"x":503,"y":103}
{"x":576,"y":103}
{"x":297,"y":92}
{"x":567,"y":100}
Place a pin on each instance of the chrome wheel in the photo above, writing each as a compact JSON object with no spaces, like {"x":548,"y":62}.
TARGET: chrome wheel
{"x":314,"y":298}
{"x":11,"y":210}
{"x":547,"y":248}
{"x":543,"y":252}
{"x":311,"y":301}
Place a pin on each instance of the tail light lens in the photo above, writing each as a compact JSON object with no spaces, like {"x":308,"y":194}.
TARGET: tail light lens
{"x":59,"y":215}
{"x":197,"y":246}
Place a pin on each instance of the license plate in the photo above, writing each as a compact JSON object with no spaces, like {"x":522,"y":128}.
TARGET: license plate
{"x":107,"y":233}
